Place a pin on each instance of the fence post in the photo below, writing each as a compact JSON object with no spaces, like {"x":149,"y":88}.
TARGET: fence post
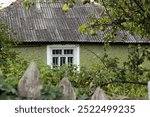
{"x":149,"y":90}
{"x":29,"y":85}
{"x":67,"y":89}
{"x":99,"y":95}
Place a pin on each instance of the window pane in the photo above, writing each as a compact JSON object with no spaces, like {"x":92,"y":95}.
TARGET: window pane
{"x":55,"y":62}
{"x":62,"y":60}
{"x":70,"y":60}
{"x":57,"y":52}
{"x":68,"y":51}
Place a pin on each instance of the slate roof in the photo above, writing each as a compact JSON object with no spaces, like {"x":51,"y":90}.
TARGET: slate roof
{"x":47,"y":23}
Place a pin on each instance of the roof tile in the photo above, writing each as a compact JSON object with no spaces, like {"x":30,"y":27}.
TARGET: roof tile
{"x":48,"y":23}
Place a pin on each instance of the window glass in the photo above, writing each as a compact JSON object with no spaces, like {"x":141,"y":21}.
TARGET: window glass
{"x":70,"y":60}
{"x":62,"y":60}
{"x":55,"y":62}
{"x":68,"y":51}
{"x":57,"y":52}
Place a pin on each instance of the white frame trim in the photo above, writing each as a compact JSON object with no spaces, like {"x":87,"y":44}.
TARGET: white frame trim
{"x":66,"y":46}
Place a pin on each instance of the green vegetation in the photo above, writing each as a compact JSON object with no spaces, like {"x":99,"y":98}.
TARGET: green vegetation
{"x":128,"y":80}
{"x":11,"y":66}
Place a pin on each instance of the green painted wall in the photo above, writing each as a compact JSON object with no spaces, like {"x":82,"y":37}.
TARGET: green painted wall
{"x":116,"y":50}
{"x":87,"y":58}
{"x":36,"y":53}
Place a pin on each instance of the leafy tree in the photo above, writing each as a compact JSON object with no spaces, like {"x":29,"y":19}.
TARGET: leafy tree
{"x":11,"y":65}
{"x":116,"y":15}
{"x":130,"y":16}
{"x":5,"y":43}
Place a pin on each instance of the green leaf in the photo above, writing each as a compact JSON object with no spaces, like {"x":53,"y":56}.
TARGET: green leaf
{"x":65,"y":8}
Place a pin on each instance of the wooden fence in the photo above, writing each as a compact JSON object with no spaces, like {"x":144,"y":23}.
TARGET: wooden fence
{"x":30,"y":86}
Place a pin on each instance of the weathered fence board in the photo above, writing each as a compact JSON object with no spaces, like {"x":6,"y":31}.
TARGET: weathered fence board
{"x":99,"y":95}
{"x":30,"y":85}
{"x":67,"y":89}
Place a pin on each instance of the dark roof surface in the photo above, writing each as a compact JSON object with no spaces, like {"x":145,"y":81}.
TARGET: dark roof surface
{"x":47,"y":23}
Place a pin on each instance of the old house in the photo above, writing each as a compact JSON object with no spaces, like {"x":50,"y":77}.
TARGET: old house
{"x":51,"y":37}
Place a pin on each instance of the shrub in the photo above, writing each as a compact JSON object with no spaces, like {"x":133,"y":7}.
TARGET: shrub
{"x":129,"y":80}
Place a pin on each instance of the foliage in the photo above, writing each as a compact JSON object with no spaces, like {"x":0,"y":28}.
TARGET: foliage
{"x":129,"y":80}
{"x":12,"y":72}
{"x":128,"y":15}
{"x":5,"y":43}
{"x":126,"y":80}
{"x":11,"y":66}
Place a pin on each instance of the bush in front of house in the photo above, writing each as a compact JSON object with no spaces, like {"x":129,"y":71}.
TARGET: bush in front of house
{"x":126,"y":81}
{"x":118,"y":82}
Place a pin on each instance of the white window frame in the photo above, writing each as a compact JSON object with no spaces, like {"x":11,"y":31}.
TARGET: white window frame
{"x":76,"y":53}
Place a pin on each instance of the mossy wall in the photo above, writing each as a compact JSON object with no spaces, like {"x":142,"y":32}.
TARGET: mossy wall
{"x":87,"y":58}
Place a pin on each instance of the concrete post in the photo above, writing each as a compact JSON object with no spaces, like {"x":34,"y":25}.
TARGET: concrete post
{"x":149,"y":90}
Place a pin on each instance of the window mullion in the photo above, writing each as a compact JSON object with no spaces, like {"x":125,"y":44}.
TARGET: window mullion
{"x":58,"y":60}
{"x":66,"y":59}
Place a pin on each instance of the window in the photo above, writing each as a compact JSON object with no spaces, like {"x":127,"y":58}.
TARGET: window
{"x":58,"y":55}
{"x":62,"y":56}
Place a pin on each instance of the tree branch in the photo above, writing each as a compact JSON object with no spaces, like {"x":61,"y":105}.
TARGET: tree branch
{"x":140,"y":6}
{"x":123,"y":82}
